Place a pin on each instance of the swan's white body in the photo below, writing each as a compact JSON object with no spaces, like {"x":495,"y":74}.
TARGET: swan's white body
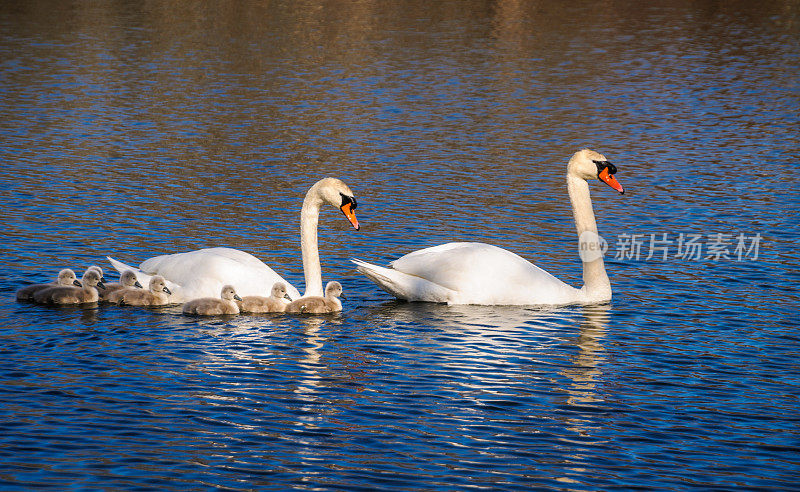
{"x":468,"y":273}
{"x":203,"y":273}
{"x":477,"y":273}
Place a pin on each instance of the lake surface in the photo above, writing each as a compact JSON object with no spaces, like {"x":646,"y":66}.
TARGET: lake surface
{"x":138,"y":128}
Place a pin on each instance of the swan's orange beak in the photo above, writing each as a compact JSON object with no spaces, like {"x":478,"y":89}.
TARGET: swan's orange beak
{"x":610,"y":180}
{"x":347,"y":210}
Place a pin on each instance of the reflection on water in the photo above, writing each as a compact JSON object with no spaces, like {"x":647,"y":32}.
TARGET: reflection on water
{"x":310,"y":363}
{"x":134,"y":129}
{"x":585,"y":371}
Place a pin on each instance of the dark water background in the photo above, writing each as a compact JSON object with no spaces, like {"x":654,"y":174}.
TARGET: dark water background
{"x":137,"y":128}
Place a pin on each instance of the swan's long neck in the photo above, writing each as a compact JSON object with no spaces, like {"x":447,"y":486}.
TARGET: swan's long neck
{"x":309,"y":218}
{"x":596,"y":286}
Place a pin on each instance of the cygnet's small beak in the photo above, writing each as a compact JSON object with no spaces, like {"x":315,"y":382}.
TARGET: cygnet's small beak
{"x":236,"y":296}
{"x":77,"y":283}
{"x":286,"y":296}
{"x":347,"y":210}
{"x":343,"y":296}
{"x":167,"y":290}
{"x":101,"y":285}
{"x":138,"y":285}
{"x":610,"y":180}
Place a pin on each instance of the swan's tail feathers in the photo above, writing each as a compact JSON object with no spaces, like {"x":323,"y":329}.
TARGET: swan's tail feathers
{"x":142,"y":277}
{"x":119,"y":266}
{"x":403,"y":285}
{"x":372,"y":271}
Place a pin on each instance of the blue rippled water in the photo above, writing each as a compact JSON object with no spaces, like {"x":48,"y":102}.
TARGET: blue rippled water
{"x":137,"y":129}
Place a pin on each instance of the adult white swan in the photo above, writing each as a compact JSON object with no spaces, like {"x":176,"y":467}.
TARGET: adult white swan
{"x":202,"y":273}
{"x":477,"y":273}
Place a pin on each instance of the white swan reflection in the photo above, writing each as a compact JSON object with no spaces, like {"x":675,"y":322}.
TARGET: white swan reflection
{"x":519,"y":336}
{"x":586,"y":364}
{"x":309,"y":364}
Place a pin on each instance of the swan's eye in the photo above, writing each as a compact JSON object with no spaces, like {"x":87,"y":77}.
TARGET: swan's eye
{"x":612,"y":169}
{"x":349,"y":199}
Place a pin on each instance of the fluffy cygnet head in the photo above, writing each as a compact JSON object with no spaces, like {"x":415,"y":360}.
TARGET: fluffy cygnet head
{"x":157,"y":284}
{"x":229,"y":293}
{"x":279,"y":291}
{"x":334,"y":289}
{"x":67,"y":277}
{"x":98,"y":270}
{"x":91,"y":278}
{"x":128,"y":279}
